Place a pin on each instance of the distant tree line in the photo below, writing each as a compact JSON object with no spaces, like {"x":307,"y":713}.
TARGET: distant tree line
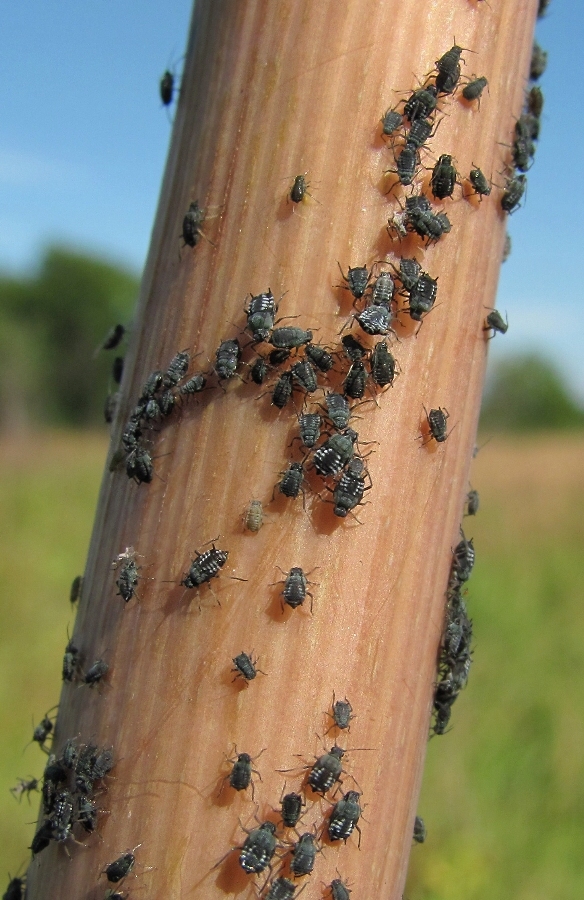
{"x":52,"y":323}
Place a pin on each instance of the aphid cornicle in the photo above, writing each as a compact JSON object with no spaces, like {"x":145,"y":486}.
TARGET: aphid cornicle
{"x":437,"y":424}
{"x":419,"y":830}
{"x":254,"y":516}
{"x":444,"y":177}
{"x":344,"y":817}
{"x":289,"y":338}
{"x":204,"y":567}
{"x":496,"y":323}
{"x":258,"y":848}
{"x":383,"y":365}
{"x":421,"y":103}
{"x":309,"y":425}
{"x":479,"y":183}
{"x":166,"y":87}
{"x":319,"y":357}
{"x":326,"y":771}
{"x":350,"y":488}
{"x":290,"y":809}
{"x":335,"y":453}
{"x":292,"y":480}
{"x":281,"y":889}
{"x":245,"y":667}
{"x":227,"y":357}
{"x":390,"y":122}
{"x":120,"y":867}
{"x":357,"y":279}
{"x":513,"y":193}
{"x":303,"y":855}
{"x":191,"y":227}
{"x":474,"y":89}
{"x":261,"y":314}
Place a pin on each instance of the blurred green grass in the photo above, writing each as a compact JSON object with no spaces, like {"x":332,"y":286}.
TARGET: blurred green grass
{"x":503,"y":793}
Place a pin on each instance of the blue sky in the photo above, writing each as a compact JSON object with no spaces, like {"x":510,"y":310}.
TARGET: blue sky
{"x":83,"y":141}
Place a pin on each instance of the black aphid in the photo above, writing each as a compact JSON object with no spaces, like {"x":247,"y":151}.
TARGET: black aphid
{"x":139,"y":466}
{"x":409,"y":272}
{"x":383,"y":365}
{"x":522,"y":152}
{"x":282,"y":390}
{"x":292,"y":480}
{"x":422,"y":297}
{"x":542,"y":8}
{"x":76,"y":587}
{"x":495,"y":323}
{"x":240,"y":775}
{"x":303,"y":855}
{"x":309,"y":425}
{"x":538,"y":63}
{"x":227,"y":357}
{"x":118,"y":369}
{"x":535,"y":101}
{"x":299,"y":189}
{"x":338,"y":410}
{"x":474,"y":89}
{"x":42,"y":731}
{"x":506,"y":248}
{"x":191,"y":227}
{"x":245,"y":666}
{"x":127,"y":580}
{"x":339,"y":890}
{"x":463,"y":560}
{"x":419,"y":830}
{"x":291,"y":808}
{"x":383,"y":290}
{"x":304,"y":374}
{"x":375,"y":319}
{"x":87,"y":814}
{"x":258,"y":848}
{"x":205,"y":566}
{"x":344,"y":817}
{"x":281,"y":889}
{"x":418,"y":203}
{"x":335,"y":453}
{"x":326,"y":771}
{"x":350,"y":488}
{"x":419,"y":133}
{"x":342,"y":713}
{"x":69,"y":755}
{"x":24,"y":786}
{"x":166,"y":402}
{"x":427,"y":224}
{"x":448,"y":67}
{"x":421,"y":103}
{"x":444,"y":177}
{"x":110,"y":406}
{"x":167,"y":88}
{"x":406,"y":164}
{"x":193,"y":385}
{"x":177,"y":369}
{"x":96,"y":672}
{"x":120,"y":867}
{"x":513,"y":193}
{"x":61,"y":817}
{"x":295,"y":587}
{"x":15,"y":889}
{"x":472,"y":502}
{"x":259,"y":370}
{"x":356,"y":381}
{"x":353,"y":348}
{"x":71,"y":661}
{"x":319,"y":357}
{"x":357,"y":279}
{"x":261,"y":314}
{"x":289,"y":337}
{"x":437,"y":424}
{"x":113,"y":337}
{"x":42,"y":838}
{"x":390,"y":122}
{"x":479,"y":182}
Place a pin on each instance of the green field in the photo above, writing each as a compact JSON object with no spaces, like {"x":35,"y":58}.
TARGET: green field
{"x":503,"y":795}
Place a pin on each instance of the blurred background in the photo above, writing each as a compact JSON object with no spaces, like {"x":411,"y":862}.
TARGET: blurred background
{"x":83,"y":140}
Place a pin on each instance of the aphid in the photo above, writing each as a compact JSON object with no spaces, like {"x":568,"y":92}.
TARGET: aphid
{"x":227,"y":357}
{"x":472,"y":503}
{"x":390,"y":122}
{"x":254,"y":516}
{"x":419,"y":133}
{"x":383,"y":290}
{"x":309,"y":425}
{"x":295,"y":588}
{"x":69,"y":755}
{"x":538,"y":63}
{"x":506,"y":248}
{"x":42,"y":732}
{"x":429,"y":225}
{"x":261,"y":314}
{"x":281,"y":889}
{"x":335,"y":453}
{"x":419,"y":830}
{"x":463,"y":559}
{"x":167,"y":88}
{"x":205,"y":566}
{"x":110,"y":406}
{"x":278,"y":356}
{"x":118,"y":369}
{"x":87,"y":814}
{"x":299,"y":189}
{"x":304,"y":373}
{"x":245,"y":667}
{"x":421,"y":103}
{"x":356,"y":381}
{"x":62,"y":816}
{"x":474,"y":89}
{"x":194,"y":385}
{"x":444,"y":177}
{"x":291,"y":808}
{"x":166,"y":403}
{"x":375,"y":319}
{"x":303,"y":855}
{"x":529,"y":126}
{"x":513,"y":193}
{"x":289,"y":337}
{"x":191,"y":227}
{"x":152,"y":385}
{"x":259,"y":370}
{"x":120,"y":867}
{"x":338,"y":410}
{"x":522,"y":152}
{"x":409,"y":272}
{"x":127,"y":581}
{"x":71,"y":661}
{"x":535,"y":101}
{"x":76,"y":586}
{"x":326,"y":771}
{"x":495,"y":322}
{"x":139,"y":466}
{"x":24,"y":786}
{"x":240,"y":775}
{"x":406,"y":164}
{"x":258,"y":848}
{"x":437,"y":424}
{"x":542,"y":8}
{"x":292,"y":480}
{"x":344,"y":817}
{"x":282,"y":390}
{"x":479,"y":182}
{"x":448,"y":67}
{"x":422,"y":296}
{"x":418,"y":203}
{"x":15,"y":889}
{"x":339,"y":890}
{"x":319,"y":357}
{"x":353,"y":348}
{"x":42,"y":838}
{"x":357,"y":279}
{"x":383,"y":365}
{"x":342,"y":713}
{"x":443,"y":222}
{"x":132,"y":433}
{"x":96,"y":672}
{"x":350,"y":488}
{"x":113,"y":337}
{"x":103,"y":763}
